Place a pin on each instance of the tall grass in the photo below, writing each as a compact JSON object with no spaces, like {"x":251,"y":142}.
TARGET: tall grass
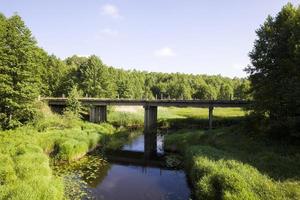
{"x":126,"y":116}
{"x":227,"y":164}
{"x":25,"y":153}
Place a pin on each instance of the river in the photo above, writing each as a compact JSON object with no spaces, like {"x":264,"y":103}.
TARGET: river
{"x":125,"y":176}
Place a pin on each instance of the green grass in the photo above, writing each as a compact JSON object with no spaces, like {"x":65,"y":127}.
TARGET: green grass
{"x":177,"y":118}
{"x":199,"y":113}
{"x":229,"y":164}
{"x":126,"y":116}
{"x":25,"y":173}
{"x":173,"y":117}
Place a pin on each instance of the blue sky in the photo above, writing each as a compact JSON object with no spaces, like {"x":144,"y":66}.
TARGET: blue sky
{"x":189,"y":36}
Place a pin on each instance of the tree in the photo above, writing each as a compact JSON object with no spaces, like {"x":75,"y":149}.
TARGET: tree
{"x":226,"y":92}
{"x":54,"y":72}
{"x":241,"y":92}
{"x":205,"y":92}
{"x":95,"y":80}
{"x":73,"y":104}
{"x":19,"y":72}
{"x":275,"y":71}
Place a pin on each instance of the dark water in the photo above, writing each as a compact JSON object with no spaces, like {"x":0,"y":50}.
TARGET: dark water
{"x":132,"y":180}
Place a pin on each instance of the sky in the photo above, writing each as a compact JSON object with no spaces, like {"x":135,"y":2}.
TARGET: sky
{"x":188,"y":36}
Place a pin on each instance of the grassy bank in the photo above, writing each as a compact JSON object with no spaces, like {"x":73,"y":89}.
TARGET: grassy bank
{"x":228,"y":164}
{"x":25,"y":173}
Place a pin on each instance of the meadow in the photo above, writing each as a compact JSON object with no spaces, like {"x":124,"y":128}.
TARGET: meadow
{"x":175,"y":118}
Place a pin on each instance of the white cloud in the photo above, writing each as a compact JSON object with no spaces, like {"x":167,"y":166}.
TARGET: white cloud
{"x":109,"y":32}
{"x":111,"y":10}
{"x":164,"y":52}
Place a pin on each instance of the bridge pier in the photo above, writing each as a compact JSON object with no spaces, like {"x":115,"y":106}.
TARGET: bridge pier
{"x":150,"y":131}
{"x":210,"y":116}
{"x":98,"y":114}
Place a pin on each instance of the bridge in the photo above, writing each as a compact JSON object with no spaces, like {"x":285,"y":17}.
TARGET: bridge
{"x":98,"y":110}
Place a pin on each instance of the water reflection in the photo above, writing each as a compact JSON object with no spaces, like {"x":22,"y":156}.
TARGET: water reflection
{"x":129,"y":174}
{"x":138,"y":144}
{"x":137,"y":183}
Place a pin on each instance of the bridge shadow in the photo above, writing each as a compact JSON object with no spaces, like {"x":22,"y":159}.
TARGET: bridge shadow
{"x":137,"y":158}
{"x":198,"y":123}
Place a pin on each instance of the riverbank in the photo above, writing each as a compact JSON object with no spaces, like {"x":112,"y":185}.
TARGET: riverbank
{"x":25,"y":154}
{"x":228,"y":164}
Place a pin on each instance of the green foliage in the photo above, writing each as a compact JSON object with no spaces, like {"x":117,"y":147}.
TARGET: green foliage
{"x":54,"y":77}
{"x":226,"y":164}
{"x":25,"y":172}
{"x":73,"y":104}
{"x":275,"y":72}
{"x":24,"y":169}
{"x":242,"y":91}
{"x":19,"y":72}
{"x":97,"y":80}
{"x":94,"y":78}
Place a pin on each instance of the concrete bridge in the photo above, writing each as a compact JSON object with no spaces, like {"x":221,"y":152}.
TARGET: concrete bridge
{"x":98,"y":110}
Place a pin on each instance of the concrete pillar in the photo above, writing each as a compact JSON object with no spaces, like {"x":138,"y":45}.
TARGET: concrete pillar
{"x":150,"y":131}
{"x":98,"y":114}
{"x":102,"y":113}
{"x":210,"y":116}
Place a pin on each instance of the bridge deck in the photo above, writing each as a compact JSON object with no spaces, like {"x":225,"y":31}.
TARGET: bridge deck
{"x":161,"y":103}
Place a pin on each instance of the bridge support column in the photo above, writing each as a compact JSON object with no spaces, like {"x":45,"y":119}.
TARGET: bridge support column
{"x":210,"y":116}
{"x":98,"y":114}
{"x":150,"y":131}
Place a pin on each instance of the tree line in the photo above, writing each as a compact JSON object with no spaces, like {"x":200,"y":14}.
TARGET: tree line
{"x":27,"y":71}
